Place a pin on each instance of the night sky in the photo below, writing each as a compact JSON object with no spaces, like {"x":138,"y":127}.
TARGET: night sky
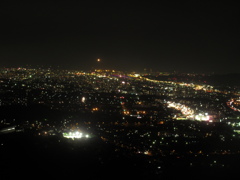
{"x":184,"y":36}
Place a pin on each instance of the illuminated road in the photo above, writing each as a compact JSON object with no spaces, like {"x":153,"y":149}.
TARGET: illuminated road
{"x":230,"y":105}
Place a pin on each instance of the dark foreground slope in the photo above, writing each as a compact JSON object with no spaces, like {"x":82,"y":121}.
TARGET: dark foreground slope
{"x":31,"y":157}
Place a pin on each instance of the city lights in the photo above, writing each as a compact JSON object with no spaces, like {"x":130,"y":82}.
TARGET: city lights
{"x":202,"y":117}
{"x":120,"y":90}
{"x":76,"y":135}
{"x":133,"y":113}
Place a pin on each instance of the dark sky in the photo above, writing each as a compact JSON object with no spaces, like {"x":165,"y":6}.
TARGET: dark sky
{"x":184,"y":36}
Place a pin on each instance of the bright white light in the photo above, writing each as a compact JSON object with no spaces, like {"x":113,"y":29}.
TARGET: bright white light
{"x":201,"y":117}
{"x":75,"y":135}
{"x":83,"y":99}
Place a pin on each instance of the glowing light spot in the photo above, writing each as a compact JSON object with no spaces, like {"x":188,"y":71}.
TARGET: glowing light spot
{"x":83,"y":99}
{"x":76,"y":135}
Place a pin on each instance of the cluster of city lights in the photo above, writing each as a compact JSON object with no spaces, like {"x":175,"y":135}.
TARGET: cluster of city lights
{"x":185,"y":110}
{"x":202,"y":117}
{"x":74,"y":135}
{"x":188,"y":112}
